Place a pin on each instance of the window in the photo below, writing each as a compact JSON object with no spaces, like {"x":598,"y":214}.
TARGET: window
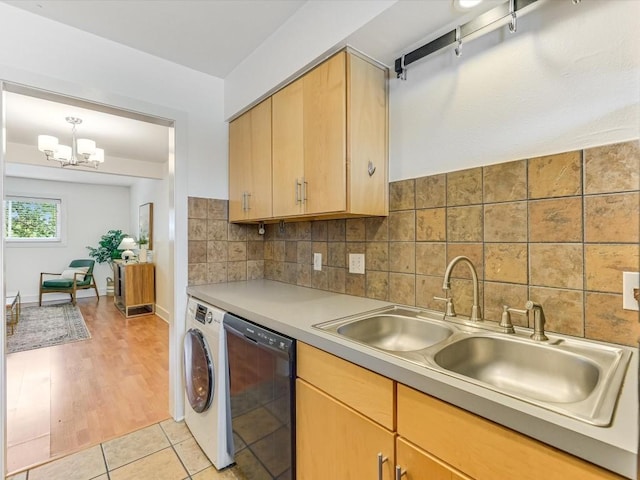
{"x":30,"y":219}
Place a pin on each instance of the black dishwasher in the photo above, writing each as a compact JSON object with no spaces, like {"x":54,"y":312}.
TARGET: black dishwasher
{"x":262,"y":399}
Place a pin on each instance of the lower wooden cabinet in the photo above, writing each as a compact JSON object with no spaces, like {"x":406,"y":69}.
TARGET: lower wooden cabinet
{"x":416,"y":464}
{"x":334,"y":441}
{"x":134,"y":288}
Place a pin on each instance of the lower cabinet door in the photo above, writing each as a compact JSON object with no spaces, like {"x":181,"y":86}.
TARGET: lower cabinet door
{"x":334,"y":441}
{"x":416,"y":464}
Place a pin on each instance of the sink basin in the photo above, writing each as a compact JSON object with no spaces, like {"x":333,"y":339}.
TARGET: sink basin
{"x":534,"y":371}
{"x":396,"y":333}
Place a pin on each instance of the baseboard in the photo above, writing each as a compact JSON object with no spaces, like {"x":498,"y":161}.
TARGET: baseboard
{"x":163,"y":313}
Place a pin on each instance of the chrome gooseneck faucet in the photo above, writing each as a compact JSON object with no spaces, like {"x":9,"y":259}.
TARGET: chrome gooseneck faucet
{"x":476,"y":315}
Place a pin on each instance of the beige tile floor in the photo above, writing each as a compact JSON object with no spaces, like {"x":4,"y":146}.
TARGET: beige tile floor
{"x":164,"y":451}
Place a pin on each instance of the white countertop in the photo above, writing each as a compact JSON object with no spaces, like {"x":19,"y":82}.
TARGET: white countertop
{"x":293,"y":310}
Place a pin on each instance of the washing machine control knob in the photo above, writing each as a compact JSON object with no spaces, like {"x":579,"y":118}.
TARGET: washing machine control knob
{"x":209,"y":317}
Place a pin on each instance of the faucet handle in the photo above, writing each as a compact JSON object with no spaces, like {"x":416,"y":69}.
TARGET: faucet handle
{"x":450,"y":311}
{"x":505,"y":321}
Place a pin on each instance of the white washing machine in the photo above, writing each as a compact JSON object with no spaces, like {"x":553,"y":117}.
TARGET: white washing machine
{"x":207,"y":411}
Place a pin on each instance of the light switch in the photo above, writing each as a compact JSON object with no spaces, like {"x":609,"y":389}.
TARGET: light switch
{"x":356,"y":263}
{"x":630,"y":280}
{"x":317,"y":261}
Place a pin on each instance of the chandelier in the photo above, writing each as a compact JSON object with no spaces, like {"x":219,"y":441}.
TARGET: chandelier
{"x":81,"y":153}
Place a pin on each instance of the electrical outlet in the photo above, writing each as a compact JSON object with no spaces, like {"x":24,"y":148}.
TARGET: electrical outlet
{"x":356,"y":263}
{"x":317,"y":261}
{"x":630,"y":280}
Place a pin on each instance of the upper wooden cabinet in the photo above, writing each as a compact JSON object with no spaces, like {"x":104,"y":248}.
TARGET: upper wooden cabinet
{"x":250,"y":164}
{"x":329,"y":143}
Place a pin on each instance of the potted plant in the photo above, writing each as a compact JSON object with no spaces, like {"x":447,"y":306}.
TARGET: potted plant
{"x":107,"y":251}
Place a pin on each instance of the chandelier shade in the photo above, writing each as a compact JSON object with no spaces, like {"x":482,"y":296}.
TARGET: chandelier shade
{"x":82,"y":152}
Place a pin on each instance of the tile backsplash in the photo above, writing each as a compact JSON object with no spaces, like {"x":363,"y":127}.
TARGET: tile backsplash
{"x":557,"y":229}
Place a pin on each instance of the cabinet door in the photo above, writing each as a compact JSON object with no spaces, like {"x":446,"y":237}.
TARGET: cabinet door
{"x":288,"y":150}
{"x":139,"y":284}
{"x":334,"y":441}
{"x":419,"y":465}
{"x":325,"y":163}
{"x":250,"y":164}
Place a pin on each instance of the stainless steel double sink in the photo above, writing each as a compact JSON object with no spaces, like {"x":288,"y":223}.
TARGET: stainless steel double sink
{"x":574,"y":377}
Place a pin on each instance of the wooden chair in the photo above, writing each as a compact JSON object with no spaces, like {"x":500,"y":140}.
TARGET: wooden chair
{"x":78,"y":276}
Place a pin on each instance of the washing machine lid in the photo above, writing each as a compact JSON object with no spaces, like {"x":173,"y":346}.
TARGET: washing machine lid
{"x":198,"y":371}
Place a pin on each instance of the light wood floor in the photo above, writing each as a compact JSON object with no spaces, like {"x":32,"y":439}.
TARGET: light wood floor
{"x":66,"y":398}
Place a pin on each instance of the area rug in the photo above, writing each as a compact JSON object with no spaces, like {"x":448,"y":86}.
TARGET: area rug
{"x":47,"y":326}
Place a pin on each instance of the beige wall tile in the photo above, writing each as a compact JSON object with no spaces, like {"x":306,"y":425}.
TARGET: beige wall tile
{"x":431,"y":191}
{"x":464,"y":187}
{"x":426,"y":288}
{"x":556,"y":265}
{"x":555,"y":175}
{"x":604,"y":265}
{"x":217,"y":251}
{"x":236,"y":232}
{"x":402,"y":195}
{"x":473,"y":251}
{"x":402,"y":288}
{"x":319,"y":279}
{"x":279,"y":251}
{"x":236,"y":271}
{"x":197,"y":207}
{"x":304,"y":275}
{"x":606,"y":321}
{"x":319,"y":231}
{"x":197,"y":251}
{"x":505,"y":222}
{"x":563,"y":310}
{"x":255,"y":250}
{"x":336,"y":278}
{"x":355,"y":229}
{"x":337,"y":231}
{"x":323,"y":249}
{"x":304,"y":252}
{"x":291,"y":251}
{"x":505,"y":182}
{"x":498,"y":294}
{"x":291,"y":273}
{"x":237,"y":251}
{"x":216,"y":230}
{"x":355,"y":284}
{"x":217,"y":272}
{"x":402,"y":257}
{"x":197,"y":229}
{"x":377,"y":285}
{"x":376,"y":229}
{"x":218,"y":209}
{"x":431,"y":225}
{"x":272,"y":269}
{"x":464,"y":224}
{"x":612,"y":168}
{"x":255,"y":269}
{"x":302,"y":230}
{"x":430,"y":258}
{"x":557,"y":220}
{"x":197,"y":274}
{"x":462,"y":294}
{"x":505,"y":262}
{"x":402,"y":226}
{"x":268,"y":250}
{"x":356,"y":247}
{"x":612,"y":218}
{"x":337,"y":254}
{"x":377,"y":256}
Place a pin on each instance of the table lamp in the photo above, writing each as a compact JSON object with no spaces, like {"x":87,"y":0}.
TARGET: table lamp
{"x":127,"y":244}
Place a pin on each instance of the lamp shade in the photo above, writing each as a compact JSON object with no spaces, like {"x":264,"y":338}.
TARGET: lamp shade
{"x":97,"y":156}
{"x":63,"y":152}
{"x":127,"y":243}
{"x":47,"y":143}
{"x":86,"y":147}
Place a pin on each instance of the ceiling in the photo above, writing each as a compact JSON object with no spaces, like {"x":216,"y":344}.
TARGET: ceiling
{"x":211,"y":36}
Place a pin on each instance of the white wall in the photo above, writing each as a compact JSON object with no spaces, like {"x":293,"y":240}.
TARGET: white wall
{"x":156,"y":192}
{"x":569,"y":78}
{"x":89,"y":212}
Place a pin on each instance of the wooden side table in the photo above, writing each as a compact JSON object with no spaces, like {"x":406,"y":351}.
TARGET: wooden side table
{"x":12,"y":306}
{"x":134,"y":289}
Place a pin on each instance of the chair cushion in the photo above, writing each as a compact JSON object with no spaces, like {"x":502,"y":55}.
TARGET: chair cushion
{"x":63,"y":283}
{"x":70,"y":272}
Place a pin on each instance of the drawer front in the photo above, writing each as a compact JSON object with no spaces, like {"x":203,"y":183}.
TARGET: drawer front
{"x":483,"y":449}
{"x":367,"y":392}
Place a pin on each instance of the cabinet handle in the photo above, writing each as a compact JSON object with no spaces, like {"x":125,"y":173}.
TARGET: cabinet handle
{"x":304,"y":190}
{"x":381,"y":460}
{"x":297,"y":188}
{"x":248,"y":201}
{"x":400,"y":472}
{"x":244,"y":201}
